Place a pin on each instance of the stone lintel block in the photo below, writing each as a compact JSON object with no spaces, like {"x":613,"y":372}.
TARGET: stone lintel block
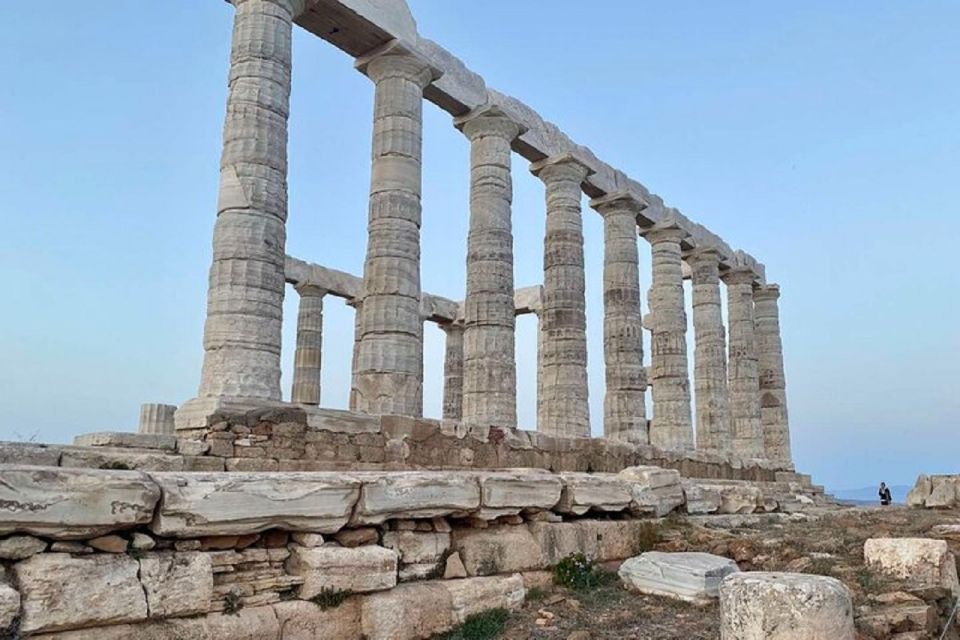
{"x":360,"y":569}
{"x":692,"y":577}
{"x":127,"y":440}
{"x":74,"y":503}
{"x":28,"y":453}
{"x":598,"y":491}
{"x":514,"y":490}
{"x":202,"y":504}
{"x":415,"y":494}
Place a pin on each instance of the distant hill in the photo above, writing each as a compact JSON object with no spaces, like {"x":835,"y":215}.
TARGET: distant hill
{"x":868,"y":495}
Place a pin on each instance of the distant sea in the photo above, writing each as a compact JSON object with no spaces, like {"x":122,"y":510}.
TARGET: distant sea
{"x":870,"y":495}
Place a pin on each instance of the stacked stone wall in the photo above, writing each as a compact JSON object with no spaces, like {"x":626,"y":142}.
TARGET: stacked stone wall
{"x":112,"y":553}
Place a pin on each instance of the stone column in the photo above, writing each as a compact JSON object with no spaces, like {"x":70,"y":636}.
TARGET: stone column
{"x":356,"y":304}
{"x":489,"y":361}
{"x":624,"y":405}
{"x":246,"y":283}
{"x":390,"y":354}
{"x":672,"y":427}
{"x":564,"y":408}
{"x":773,"y":396}
{"x":307,"y":357}
{"x":157,"y":419}
{"x":453,"y":372}
{"x":710,"y":354}
{"x":742,"y":377}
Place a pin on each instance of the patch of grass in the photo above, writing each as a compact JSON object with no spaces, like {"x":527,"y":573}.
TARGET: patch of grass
{"x":486,"y":625}
{"x":330,"y":598}
{"x":648,"y":536}
{"x":535,"y":594}
{"x":822,"y":566}
{"x":232,"y":603}
{"x":576,"y":572}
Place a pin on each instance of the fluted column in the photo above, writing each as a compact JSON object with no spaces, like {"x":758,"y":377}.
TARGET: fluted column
{"x":672,"y":425}
{"x":624,"y":404}
{"x":564,"y":409}
{"x":356,"y":303}
{"x":773,"y":394}
{"x":157,"y":419}
{"x":453,"y":371}
{"x":710,"y":354}
{"x":743,"y":379}
{"x":489,"y":361}
{"x":307,"y":357}
{"x":241,"y":339}
{"x":390,"y":353}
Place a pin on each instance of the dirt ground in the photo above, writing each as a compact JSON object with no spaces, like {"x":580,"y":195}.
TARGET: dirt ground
{"x":831,"y":544}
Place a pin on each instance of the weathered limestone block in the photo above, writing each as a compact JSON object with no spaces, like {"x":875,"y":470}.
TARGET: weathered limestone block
{"x":255,"y":623}
{"x":943,"y":492}
{"x":917,"y":497}
{"x":512,"y":491}
{"x":203,"y":504}
{"x":27,"y":453}
{"x":701,"y":499}
{"x":157,"y":419}
{"x":503,"y":549}
{"x":59,"y":591}
{"x":618,"y":539}
{"x":415,"y":494}
{"x":920,"y":561}
{"x":164,"y":442}
{"x":654,"y":490}
{"x":585,"y":491}
{"x":20,"y":547}
{"x":693,"y":577}
{"x":367,"y":568}
{"x":557,"y":540}
{"x":470,"y":596}
{"x":736,"y":497}
{"x":784,"y":606}
{"x":9,"y":603}
{"x":74,"y":503}
{"x":417,"y":547}
{"x":120,"y":458}
{"x":177,"y":583}
{"x":301,"y":620}
{"x":407,"y":612}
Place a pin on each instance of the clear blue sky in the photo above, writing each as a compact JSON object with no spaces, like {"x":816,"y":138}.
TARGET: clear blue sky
{"x":822,"y":137}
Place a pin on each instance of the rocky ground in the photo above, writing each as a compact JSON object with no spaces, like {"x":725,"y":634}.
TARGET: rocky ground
{"x":830,"y":543}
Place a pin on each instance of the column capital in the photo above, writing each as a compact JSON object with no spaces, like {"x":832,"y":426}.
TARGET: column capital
{"x":739,"y":275}
{"x":669,"y":231}
{"x":565,"y":166}
{"x":703,"y":255}
{"x":488,"y":120}
{"x":618,"y":201}
{"x":766,"y":292}
{"x":393,"y":59}
{"x":294,"y":7}
{"x":305,"y":289}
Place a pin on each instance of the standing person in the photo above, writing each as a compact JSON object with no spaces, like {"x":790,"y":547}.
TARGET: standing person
{"x":885,"y":497}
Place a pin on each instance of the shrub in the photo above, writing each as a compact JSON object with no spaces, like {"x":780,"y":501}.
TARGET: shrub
{"x":486,"y":625}
{"x":330,"y":598}
{"x":647,"y":537}
{"x":576,"y":572}
{"x":536,"y":593}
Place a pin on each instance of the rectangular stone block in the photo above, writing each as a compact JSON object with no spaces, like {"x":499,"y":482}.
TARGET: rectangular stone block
{"x":74,"y":503}
{"x":27,"y":453}
{"x":693,"y":577}
{"x":209,"y":504}
{"x":504,"y":549}
{"x":408,"y":612}
{"x":470,"y":596}
{"x":416,"y":547}
{"x":301,"y":620}
{"x":514,"y":490}
{"x":598,"y":491}
{"x":361,"y":569}
{"x":177,"y":584}
{"x":415,"y":494}
{"x":60,"y":591}
{"x":127,"y":440}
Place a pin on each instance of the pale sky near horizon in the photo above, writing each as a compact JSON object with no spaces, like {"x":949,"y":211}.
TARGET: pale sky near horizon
{"x":821,"y":137}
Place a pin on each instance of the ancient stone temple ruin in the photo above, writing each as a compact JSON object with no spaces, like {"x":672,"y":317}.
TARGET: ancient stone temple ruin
{"x":242,"y":514}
